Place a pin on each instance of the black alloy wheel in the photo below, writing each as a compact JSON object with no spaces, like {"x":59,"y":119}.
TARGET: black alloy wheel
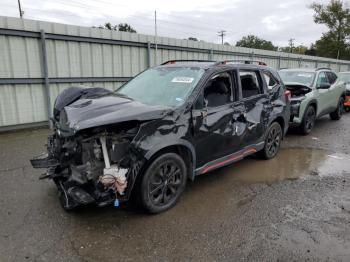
{"x":272,"y":142}
{"x":338,"y":113}
{"x":163,"y":182}
{"x":308,"y":122}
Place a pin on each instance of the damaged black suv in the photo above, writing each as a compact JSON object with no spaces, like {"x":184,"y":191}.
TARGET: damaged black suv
{"x":165,"y":126}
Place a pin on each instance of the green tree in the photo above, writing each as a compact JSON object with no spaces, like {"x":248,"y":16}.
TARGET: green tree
{"x":301,"y":49}
{"x":336,"y":17}
{"x":126,"y":28}
{"x":123,"y":27}
{"x":252,"y":41}
{"x":193,"y":38}
{"x":311,"y":51}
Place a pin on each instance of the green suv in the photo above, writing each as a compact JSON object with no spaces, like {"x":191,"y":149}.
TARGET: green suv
{"x":314,"y":93}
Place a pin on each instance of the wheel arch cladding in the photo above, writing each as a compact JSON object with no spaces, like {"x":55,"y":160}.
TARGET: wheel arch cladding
{"x":183,"y":148}
{"x":280,"y":121}
{"x":313,"y":103}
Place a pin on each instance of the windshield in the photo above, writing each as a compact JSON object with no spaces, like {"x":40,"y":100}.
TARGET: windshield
{"x":166,"y":86}
{"x":344,"y":77}
{"x":301,"y":77}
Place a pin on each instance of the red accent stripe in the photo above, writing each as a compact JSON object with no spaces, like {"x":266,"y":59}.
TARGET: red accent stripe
{"x":251,"y":150}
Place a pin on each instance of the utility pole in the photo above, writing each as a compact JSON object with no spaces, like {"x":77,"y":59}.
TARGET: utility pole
{"x":222,"y":33}
{"x":155,"y":36}
{"x":291,"y":44}
{"x":20,"y":9}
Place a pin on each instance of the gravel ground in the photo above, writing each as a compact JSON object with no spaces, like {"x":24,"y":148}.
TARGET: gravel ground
{"x":294,"y":207}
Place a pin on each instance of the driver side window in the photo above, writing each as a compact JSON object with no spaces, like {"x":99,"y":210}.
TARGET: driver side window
{"x":218,"y":91}
{"x":322,"y":78}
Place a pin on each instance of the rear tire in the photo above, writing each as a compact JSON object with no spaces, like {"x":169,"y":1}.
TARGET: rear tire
{"x":337,"y":114}
{"x":162,"y":183}
{"x":272,"y":141}
{"x":308,"y":121}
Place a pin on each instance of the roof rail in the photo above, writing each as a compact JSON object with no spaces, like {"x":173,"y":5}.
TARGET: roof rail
{"x":323,"y":68}
{"x":241,"y":61}
{"x":184,"y":61}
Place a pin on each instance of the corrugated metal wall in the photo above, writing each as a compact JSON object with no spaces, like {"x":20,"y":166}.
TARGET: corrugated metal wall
{"x":85,"y":54}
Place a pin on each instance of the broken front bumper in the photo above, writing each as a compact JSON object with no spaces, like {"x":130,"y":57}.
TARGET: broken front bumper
{"x":103,"y":175}
{"x":295,"y":109}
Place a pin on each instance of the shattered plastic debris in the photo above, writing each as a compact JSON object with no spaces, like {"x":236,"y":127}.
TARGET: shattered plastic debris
{"x":115,"y":177}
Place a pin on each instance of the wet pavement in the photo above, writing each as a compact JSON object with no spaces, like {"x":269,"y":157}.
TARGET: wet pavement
{"x":294,"y":207}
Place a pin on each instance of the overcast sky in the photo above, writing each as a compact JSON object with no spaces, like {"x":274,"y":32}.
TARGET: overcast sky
{"x":274,"y":20}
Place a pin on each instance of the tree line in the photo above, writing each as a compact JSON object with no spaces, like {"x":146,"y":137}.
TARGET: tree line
{"x":335,"y":43}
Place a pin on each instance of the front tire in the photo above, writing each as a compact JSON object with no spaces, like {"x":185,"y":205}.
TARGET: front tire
{"x":338,"y":113}
{"x":163,"y":183}
{"x":308,"y":121}
{"x":272,"y":141}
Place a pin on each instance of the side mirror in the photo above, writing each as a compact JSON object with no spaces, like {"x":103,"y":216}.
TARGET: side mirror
{"x":324,"y":86}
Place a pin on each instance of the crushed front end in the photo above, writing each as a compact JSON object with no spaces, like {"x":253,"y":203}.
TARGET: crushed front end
{"x":93,"y":167}
{"x":90,"y":155}
{"x":298,"y":100}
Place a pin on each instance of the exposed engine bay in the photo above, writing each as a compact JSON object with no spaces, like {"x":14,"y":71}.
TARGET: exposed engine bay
{"x":89,"y":169}
{"x":298,"y":92}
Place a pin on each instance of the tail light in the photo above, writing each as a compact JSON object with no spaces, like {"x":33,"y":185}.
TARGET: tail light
{"x":288,"y":95}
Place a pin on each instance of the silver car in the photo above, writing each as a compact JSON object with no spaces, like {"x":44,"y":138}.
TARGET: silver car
{"x":315,"y":92}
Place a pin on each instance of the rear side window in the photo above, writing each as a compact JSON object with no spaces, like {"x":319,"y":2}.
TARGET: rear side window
{"x":271,"y":81}
{"x":331,"y":77}
{"x":250,"y":83}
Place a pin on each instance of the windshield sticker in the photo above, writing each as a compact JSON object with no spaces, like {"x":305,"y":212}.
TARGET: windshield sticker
{"x":305,"y":75}
{"x":182,"y":79}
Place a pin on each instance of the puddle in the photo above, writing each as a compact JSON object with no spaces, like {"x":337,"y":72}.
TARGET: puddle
{"x":289,"y":164}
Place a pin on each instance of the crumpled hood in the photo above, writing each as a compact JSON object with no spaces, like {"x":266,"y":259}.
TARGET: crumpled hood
{"x":92,"y":112}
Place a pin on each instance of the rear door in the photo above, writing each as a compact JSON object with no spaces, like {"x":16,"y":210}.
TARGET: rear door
{"x":257,"y":106}
{"x":334,"y":90}
{"x":323,"y":95}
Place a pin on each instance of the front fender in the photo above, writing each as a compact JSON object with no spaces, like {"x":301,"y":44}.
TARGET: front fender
{"x":179,"y":142}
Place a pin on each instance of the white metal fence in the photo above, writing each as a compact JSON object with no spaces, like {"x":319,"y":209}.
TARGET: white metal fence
{"x":40,"y":59}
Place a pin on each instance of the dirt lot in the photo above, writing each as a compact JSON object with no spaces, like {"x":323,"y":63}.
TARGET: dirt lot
{"x":294,"y":207}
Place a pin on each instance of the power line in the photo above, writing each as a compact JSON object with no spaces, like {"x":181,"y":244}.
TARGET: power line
{"x":146,"y":16}
{"x":181,"y":27}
